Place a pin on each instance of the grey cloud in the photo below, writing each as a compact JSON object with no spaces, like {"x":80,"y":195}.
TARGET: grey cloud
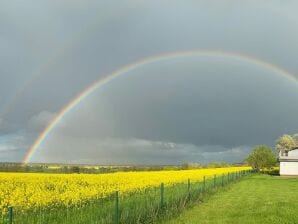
{"x":135,"y":151}
{"x":12,"y":147}
{"x":39,"y":121}
{"x":194,"y":107}
{"x":233,"y":154}
{"x":52,"y":50}
{"x":191,"y":103}
{"x":8,"y":149}
{"x":122,"y":151}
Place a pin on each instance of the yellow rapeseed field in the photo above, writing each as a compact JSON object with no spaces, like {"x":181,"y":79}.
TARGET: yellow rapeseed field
{"x":30,"y":190}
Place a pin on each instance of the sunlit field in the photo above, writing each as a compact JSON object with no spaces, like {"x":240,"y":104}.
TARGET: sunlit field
{"x":32,"y":193}
{"x":29,"y":190}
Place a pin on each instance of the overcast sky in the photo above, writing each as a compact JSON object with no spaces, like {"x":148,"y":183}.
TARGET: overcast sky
{"x":188,"y":109}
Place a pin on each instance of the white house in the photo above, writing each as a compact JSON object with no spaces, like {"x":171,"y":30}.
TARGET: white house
{"x":288,"y":163}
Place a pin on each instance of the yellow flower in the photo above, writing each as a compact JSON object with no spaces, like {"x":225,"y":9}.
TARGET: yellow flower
{"x":30,"y":191}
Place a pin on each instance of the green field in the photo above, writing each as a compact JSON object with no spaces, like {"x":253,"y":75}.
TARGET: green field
{"x":255,"y":199}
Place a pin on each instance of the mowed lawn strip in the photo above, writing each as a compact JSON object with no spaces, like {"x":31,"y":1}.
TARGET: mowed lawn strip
{"x":255,"y":199}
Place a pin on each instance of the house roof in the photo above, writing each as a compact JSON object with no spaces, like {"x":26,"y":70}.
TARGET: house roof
{"x":292,"y":156}
{"x":287,"y":159}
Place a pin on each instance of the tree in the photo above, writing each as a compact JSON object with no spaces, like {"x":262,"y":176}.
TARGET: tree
{"x":286,"y":143}
{"x":75,"y":169}
{"x":295,"y":136}
{"x":261,"y":157}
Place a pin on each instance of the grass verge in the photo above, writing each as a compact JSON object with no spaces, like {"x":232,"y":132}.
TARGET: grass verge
{"x":256,"y":199}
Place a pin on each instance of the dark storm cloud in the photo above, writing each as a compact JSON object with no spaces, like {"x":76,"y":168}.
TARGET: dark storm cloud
{"x":208,"y":109}
{"x":195,"y":87}
{"x":67,"y":45}
{"x":133,"y":151}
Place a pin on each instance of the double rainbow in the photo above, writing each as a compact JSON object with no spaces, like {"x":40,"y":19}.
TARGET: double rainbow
{"x":145,"y":61}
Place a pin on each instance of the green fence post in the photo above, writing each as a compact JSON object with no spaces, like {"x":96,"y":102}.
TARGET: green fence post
{"x":162,"y":189}
{"x":116,"y":207}
{"x":204,"y":184}
{"x":10,"y":214}
{"x":188,"y":187}
{"x":228,"y":177}
{"x":222,"y":180}
{"x":214,"y":181}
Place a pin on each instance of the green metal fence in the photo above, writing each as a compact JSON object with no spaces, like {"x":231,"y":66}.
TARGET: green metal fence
{"x":139,"y":207}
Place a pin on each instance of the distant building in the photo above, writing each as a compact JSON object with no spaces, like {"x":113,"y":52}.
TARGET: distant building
{"x":288,"y":163}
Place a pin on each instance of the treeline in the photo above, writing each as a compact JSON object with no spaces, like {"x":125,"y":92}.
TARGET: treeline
{"x":97,"y":169}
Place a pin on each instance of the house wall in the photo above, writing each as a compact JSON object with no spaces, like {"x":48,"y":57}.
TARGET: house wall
{"x":288,"y":168}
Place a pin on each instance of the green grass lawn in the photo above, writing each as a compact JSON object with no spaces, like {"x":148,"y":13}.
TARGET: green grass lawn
{"x":255,"y":199}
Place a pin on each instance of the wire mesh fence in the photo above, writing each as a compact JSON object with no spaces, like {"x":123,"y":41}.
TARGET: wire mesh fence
{"x":138,"y":207}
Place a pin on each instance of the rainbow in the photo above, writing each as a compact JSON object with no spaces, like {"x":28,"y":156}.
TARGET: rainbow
{"x":145,"y":61}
